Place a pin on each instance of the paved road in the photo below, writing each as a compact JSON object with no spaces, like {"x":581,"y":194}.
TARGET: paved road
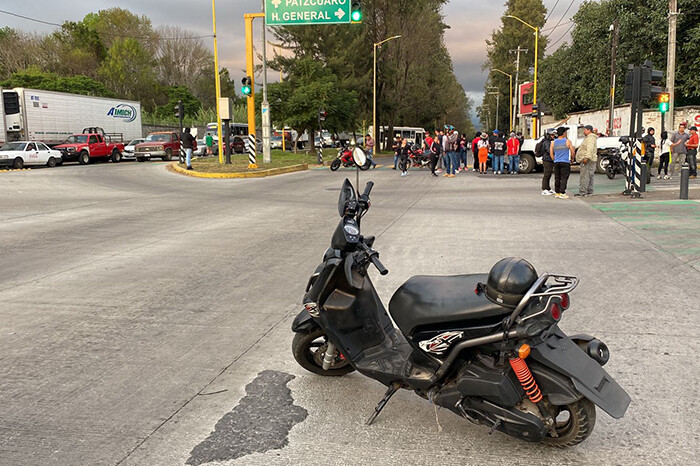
{"x":144,"y":316}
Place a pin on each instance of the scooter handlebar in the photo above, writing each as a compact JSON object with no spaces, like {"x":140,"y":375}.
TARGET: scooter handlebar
{"x":368,"y":188}
{"x":377,"y":263}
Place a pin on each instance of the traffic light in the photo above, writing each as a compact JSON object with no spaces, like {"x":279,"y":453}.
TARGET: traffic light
{"x":247,"y":88}
{"x":651,"y":82}
{"x":664,"y":101}
{"x":629,"y":87}
{"x":356,"y":12}
{"x":179,"y":110}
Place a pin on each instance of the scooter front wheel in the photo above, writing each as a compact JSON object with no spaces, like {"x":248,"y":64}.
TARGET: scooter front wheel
{"x":335,"y":165}
{"x":309,"y":350}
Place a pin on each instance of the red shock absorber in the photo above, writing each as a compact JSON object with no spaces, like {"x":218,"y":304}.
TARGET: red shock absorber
{"x":526,"y":379}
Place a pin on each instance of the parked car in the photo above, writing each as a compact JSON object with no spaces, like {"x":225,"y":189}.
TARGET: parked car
{"x":128,"y":153}
{"x":162,"y":145}
{"x":18,"y":154}
{"x":89,"y":145}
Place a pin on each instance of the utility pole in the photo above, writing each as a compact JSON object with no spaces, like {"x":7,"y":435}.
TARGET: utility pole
{"x":265,"y":108}
{"x":516,"y":101}
{"x":671,"y":66}
{"x":498,"y":100}
{"x":615,"y":28}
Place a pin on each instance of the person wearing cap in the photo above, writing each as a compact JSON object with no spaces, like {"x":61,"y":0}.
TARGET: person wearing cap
{"x":587,"y":156}
{"x":542,"y":150}
{"x":678,"y":149}
{"x":649,"y":142}
{"x":483,"y":151}
{"x":499,"y":151}
{"x":513,"y":150}
{"x":562,"y":152}
{"x":692,"y":146}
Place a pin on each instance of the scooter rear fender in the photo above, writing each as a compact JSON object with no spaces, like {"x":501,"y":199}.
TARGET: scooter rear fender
{"x":559,"y":352}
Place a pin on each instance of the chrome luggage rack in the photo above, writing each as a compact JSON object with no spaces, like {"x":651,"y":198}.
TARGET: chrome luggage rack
{"x":562,"y":284}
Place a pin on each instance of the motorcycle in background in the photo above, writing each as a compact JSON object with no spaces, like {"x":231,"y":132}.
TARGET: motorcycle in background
{"x":345,"y":159}
{"x":418,"y":158}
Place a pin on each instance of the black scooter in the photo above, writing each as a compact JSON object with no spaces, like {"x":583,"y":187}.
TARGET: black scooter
{"x":486,"y":347}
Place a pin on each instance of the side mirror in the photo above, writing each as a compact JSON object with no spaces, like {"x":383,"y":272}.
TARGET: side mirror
{"x":359,"y":157}
{"x":347,"y":196}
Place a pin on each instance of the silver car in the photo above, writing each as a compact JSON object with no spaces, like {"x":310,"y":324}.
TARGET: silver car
{"x":128,"y":153}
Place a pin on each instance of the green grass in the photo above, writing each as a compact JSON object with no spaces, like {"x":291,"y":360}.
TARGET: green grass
{"x":239,"y":162}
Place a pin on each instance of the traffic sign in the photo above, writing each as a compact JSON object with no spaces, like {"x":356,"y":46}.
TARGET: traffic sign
{"x":300,"y":12}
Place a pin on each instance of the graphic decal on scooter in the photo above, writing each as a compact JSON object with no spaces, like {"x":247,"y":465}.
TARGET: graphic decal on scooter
{"x":440,"y":343}
{"x":312,"y":309}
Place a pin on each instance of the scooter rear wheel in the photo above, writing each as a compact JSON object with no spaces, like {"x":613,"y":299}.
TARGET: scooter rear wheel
{"x":574,"y":423}
{"x":309,"y":349}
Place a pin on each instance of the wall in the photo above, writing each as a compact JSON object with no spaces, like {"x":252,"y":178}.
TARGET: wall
{"x":651,"y":118}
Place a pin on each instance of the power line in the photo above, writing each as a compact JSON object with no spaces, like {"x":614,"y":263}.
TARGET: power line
{"x":563,"y":35}
{"x":565,"y":13}
{"x":103,"y":33}
{"x":555,"y":27}
{"x":551,"y":11}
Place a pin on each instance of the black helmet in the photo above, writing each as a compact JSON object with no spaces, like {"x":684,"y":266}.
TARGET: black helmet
{"x":509,"y":280}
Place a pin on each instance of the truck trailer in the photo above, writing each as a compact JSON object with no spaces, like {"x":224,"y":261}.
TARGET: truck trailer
{"x":50,"y":117}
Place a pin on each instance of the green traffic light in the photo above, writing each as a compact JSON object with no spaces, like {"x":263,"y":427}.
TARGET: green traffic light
{"x":663,"y":107}
{"x":356,"y":16}
{"x":246,"y":90}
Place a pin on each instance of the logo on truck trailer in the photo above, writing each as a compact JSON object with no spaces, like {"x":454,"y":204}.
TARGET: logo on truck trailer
{"x":123,"y":111}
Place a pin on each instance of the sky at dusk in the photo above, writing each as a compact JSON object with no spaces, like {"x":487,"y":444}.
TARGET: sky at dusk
{"x":471,"y":23}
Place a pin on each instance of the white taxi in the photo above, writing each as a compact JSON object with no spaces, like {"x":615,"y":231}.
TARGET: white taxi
{"x":18,"y":154}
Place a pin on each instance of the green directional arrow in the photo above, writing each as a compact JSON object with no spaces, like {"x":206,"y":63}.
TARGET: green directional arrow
{"x":300,"y":12}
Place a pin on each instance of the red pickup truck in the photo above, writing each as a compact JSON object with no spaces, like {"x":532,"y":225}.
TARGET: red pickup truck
{"x":163,"y":145}
{"x":91,"y":144}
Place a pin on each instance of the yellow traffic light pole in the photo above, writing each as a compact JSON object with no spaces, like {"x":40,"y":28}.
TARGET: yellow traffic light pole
{"x":217,"y":84}
{"x":250,"y":71}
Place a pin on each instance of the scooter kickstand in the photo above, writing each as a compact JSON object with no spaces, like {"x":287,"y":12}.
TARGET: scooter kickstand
{"x":393,"y":388}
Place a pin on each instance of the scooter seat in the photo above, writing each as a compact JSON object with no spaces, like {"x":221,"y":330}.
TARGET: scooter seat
{"x":429,"y":300}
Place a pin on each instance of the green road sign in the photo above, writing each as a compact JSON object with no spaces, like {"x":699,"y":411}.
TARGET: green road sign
{"x":299,"y":12}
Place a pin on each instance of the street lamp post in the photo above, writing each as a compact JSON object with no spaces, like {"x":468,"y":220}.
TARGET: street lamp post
{"x":510,"y":77}
{"x":377,"y":141}
{"x":534,"y":97}
{"x":498,"y":101}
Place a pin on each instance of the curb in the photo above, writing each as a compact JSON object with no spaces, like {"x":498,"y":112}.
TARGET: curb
{"x":7,"y":170}
{"x":256,"y":174}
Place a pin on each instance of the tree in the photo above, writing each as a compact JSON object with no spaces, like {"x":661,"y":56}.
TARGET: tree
{"x":126,"y":71}
{"x":308,"y":87}
{"x":511,"y":35}
{"x":181,"y":57}
{"x":34,"y":78}
{"x":643,"y":26}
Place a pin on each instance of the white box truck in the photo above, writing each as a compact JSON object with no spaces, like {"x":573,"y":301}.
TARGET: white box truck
{"x":50,"y":117}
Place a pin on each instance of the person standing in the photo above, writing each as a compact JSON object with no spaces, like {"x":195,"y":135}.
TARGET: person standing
{"x":434,"y":151}
{"x":451,"y":152}
{"x":542,"y":149}
{"x":396,"y":147}
{"x":649,"y":142}
{"x":499,"y":151}
{"x":369,"y":149}
{"x":665,"y":155}
{"x":692,"y":146}
{"x":462,"y":153}
{"x":404,"y":153}
{"x":483,"y":147}
{"x":188,"y":145}
{"x":678,"y":149}
{"x":209,"y":142}
{"x":475,"y":150}
{"x":587,"y":156}
{"x":513,"y":146}
{"x":562,"y":152}
{"x":427,"y":143}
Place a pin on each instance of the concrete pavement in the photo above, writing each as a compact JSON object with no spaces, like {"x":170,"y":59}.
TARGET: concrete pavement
{"x":137,"y":306}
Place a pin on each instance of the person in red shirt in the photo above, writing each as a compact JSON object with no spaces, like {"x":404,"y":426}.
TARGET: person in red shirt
{"x":427,"y":143}
{"x":513,"y":145}
{"x":692,"y":146}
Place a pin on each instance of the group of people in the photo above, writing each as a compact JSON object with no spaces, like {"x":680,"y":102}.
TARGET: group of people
{"x":448,"y":150}
{"x":558,"y":153}
{"x":680,"y":148}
